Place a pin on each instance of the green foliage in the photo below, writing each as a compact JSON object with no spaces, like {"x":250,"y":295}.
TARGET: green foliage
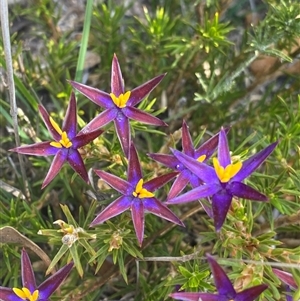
{"x":211,"y":58}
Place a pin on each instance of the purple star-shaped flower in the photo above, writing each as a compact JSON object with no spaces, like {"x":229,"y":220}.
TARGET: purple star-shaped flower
{"x":136,"y":195}
{"x":120,"y":106}
{"x":201,"y":154}
{"x":30,"y":291}
{"x":223,"y":181}
{"x":65,"y":145}
{"x":226,"y":292}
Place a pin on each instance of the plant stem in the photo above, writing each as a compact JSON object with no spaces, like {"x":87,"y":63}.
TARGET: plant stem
{"x":11,"y":87}
{"x":84,"y":40}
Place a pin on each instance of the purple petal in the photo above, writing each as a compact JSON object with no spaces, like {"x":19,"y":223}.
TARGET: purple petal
{"x":97,"y":96}
{"x":139,"y":93}
{"x":100,"y":120}
{"x":37,"y":149}
{"x":223,"y":149}
{"x":209,"y":146}
{"x":123,"y":132}
{"x":178,"y":185}
{"x":221,"y":202}
{"x":168,"y":160}
{"x":138,"y":218}
{"x":7,"y":294}
{"x":117,"y":81}
{"x":253,"y":162}
{"x":141,"y":116}
{"x":117,"y":183}
{"x":55,"y":166}
{"x":197,"y":297}
{"x":134,"y":168}
{"x":204,"y":172}
{"x":244,"y":191}
{"x":70,"y":121}
{"x":251,"y":293}
{"x":77,"y":164}
{"x":47,"y":288}
{"x":83,"y":139}
{"x":160,"y":181}
{"x":286,"y":278}
{"x":187,"y":143}
{"x":194,"y":194}
{"x":156,"y":207}
{"x":221,"y":280}
{"x":28,"y":279}
{"x":45,"y":116}
{"x":115,"y":208}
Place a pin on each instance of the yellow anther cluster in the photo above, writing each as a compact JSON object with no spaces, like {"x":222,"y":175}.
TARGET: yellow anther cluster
{"x":121,"y":100}
{"x":227,"y":173}
{"x":201,"y":158}
{"x":141,"y":192}
{"x":25,"y":294}
{"x":65,"y":141}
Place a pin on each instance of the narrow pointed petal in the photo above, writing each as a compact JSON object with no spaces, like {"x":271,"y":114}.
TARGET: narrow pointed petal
{"x":223,"y":149}
{"x":156,"y":207}
{"x":244,"y":191}
{"x":206,"y":173}
{"x":118,"y":206}
{"x":117,"y":81}
{"x":134,"y":168}
{"x":185,"y":296}
{"x":55,"y":166}
{"x":45,"y":116}
{"x":251,"y":293}
{"x":208,"y":147}
{"x":143,"y":117}
{"x":220,"y":205}
{"x":187,"y":142}
{"x":123,"y":132}
{"x":7,"y":294}
{"x":117,"y":183}
{"x":160,"y":181}
{"x":221,"y":280}
{"x":138,"y":218}
{"x":100,"y":120}
{"x":70,"y":121}
{"x":285,"y":277}
{"x":47,"y":288}
{"x":252,"y":163}
{"x":77,"y":164}
{"x":139,"y":93}
{"x":83,"y":139}
{"x":178,"y":185}
{"x":97,"y":96}
{"x":167,"y":160}
{"x":195,"y":194}
{"x":37,"y":149}
{"x":28,"y":279}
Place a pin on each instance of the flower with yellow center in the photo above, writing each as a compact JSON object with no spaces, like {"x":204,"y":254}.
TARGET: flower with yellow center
{"x":25,"y":294}
{"x":227,"y":173}
{"x":64,"y":141}
{"x":121,"y":100}
{"x":136,"y":196}
{"x":141,"y":192}
{"x":222,"y":181}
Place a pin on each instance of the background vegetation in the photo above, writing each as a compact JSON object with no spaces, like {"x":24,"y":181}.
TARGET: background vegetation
{"x":228,"y":63}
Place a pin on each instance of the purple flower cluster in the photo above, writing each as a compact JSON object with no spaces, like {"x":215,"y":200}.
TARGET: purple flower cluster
{"x":216,"y":179}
